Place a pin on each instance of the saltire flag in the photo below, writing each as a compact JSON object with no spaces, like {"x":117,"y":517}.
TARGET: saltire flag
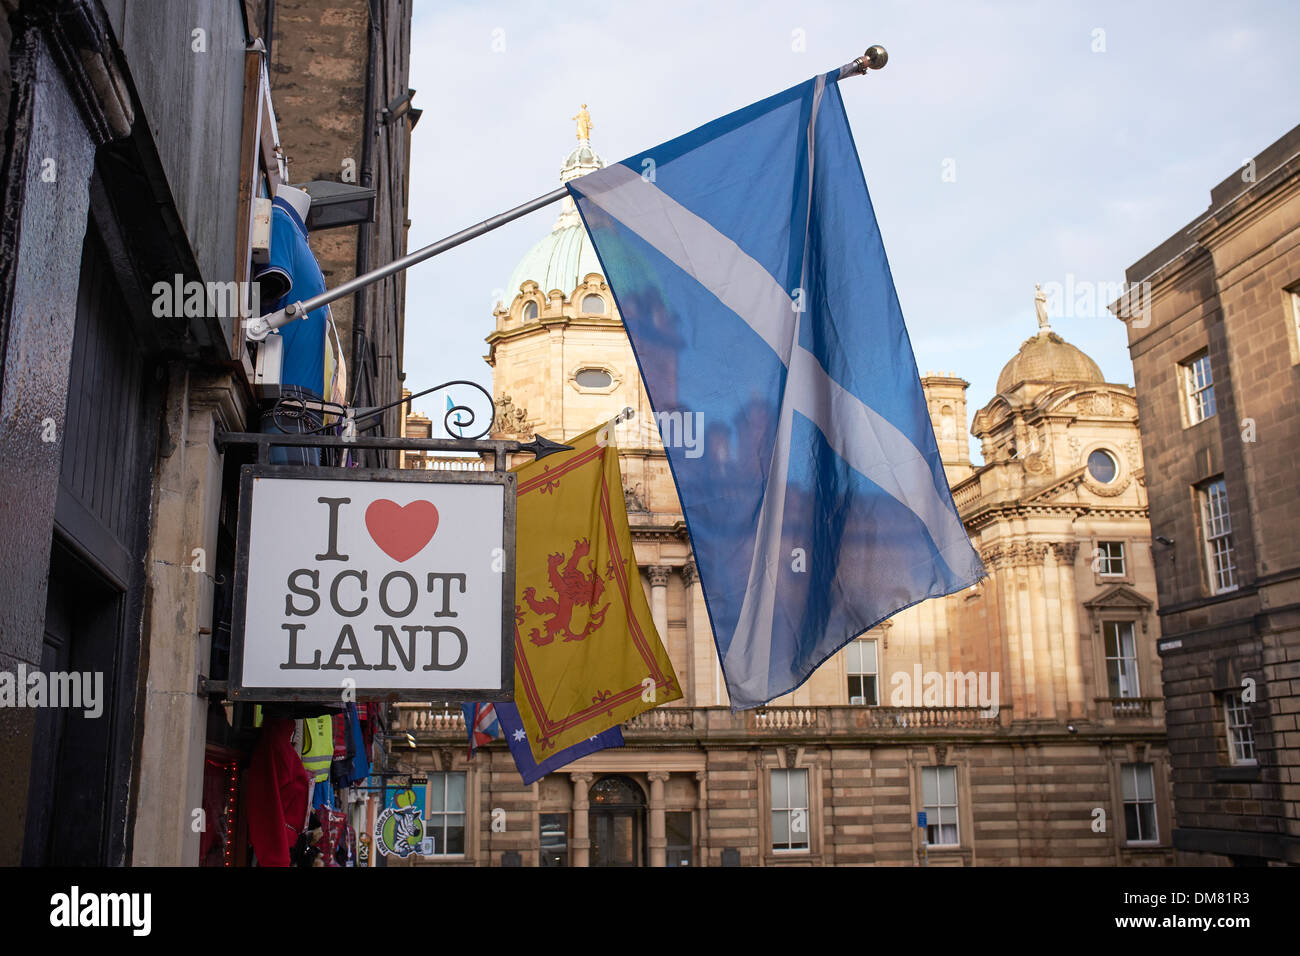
{"x":747,"y":265}
{"x":529,"y":769}
{"x":587,"y":655}
{"x":481,"y":724}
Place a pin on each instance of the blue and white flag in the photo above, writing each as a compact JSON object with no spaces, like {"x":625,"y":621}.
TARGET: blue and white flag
{"x":529,"y":769}
{"x":752,"y":280}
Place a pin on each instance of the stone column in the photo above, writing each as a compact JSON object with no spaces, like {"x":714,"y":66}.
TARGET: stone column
{"x":1025,"y":617}
{"x":701,"y":834}
{"x":1065,"y":554}
{"x":580,"y":842}
{"x":659,"y":600}
{"x":690,"y":578}
{"x":658,"y":841}
{"x":187,"y":505}
{"x":1042,"y":624}
{"x":1056,"y":633}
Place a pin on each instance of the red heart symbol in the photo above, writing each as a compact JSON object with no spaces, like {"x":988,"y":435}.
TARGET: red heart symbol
{"x":401,"y":531}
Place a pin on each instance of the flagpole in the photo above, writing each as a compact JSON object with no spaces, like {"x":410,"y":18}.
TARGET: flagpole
{"x":257,"y":329}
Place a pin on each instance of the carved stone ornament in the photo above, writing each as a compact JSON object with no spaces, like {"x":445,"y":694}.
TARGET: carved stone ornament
{"x":1100,"y":403}
{"x":634,"y":498}
{"x":659,"y":576}
{"x":510,"y":419}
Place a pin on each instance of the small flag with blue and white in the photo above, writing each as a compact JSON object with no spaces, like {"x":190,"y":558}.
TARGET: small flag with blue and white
{"x":751,"y":277}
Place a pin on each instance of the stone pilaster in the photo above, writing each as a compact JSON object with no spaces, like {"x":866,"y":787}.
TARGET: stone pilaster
{"x":658,"y":841}
{"x":581,"y":840}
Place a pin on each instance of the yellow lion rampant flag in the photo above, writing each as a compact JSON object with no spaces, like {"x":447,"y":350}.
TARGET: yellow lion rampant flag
{"x":587,"y":655}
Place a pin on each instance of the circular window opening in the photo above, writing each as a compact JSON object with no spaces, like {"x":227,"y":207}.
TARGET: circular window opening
{"x":1102,"y":466}
{"x":593,"y":305}
{"x":530,"y":311}
{"x":593,"y":378}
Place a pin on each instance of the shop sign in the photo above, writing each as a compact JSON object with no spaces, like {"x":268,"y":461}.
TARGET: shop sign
{"x":364,"y":583}
{"x":399,"y":829}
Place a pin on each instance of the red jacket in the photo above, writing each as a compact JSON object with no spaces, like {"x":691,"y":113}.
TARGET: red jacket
{"x":277,"y":791}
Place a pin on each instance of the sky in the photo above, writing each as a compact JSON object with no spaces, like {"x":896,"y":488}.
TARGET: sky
{"x":1004,"y":144}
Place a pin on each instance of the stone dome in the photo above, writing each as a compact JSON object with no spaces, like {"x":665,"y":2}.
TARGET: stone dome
{"x":566,"y":256}
{"x":1048,"y":358}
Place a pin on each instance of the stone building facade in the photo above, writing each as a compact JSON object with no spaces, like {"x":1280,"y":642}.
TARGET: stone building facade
{"x":1214,"y":334}
{"x":1020,"y":715}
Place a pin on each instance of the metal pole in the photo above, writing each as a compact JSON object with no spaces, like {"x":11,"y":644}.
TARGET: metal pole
{"x":260,"y":327}
{"x":257,"y":329}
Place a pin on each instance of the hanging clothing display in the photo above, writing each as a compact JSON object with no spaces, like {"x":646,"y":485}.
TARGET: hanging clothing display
{"x":277,"y":787}
{"x":293,"y":268}
{"x":318,"y":746}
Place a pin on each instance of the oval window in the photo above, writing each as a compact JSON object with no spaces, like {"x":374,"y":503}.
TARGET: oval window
{"x":593,"y":378}
{"x":1102,"y":466}
{"x":593,"y":305}
{"x":530,"y":311}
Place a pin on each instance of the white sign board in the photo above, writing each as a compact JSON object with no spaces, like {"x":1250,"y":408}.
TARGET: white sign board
{"x":374,"y":583}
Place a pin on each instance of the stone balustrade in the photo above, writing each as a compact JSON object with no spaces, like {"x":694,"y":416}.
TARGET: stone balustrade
{"x":708,"y":722}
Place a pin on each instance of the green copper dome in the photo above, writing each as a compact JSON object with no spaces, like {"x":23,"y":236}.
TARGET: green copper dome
{"x":557,"y":262}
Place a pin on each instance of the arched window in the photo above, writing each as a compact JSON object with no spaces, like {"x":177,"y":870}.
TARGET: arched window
{"x":593,"y":304}
{"x":616,"y":792}
{"x":947,"y":423}
{"x":530,"y":311}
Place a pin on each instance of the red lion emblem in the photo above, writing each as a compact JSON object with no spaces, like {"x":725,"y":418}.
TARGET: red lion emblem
{"x":573,"y":589}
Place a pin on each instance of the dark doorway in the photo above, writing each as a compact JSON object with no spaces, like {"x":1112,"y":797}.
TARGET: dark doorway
{"x":69,"y":813}
{"x":616,"y":816}
{"x":79,"y":788}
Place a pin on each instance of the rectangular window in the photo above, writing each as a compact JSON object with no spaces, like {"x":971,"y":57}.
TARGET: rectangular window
{"x":789,"y":809}
{"x":677,"y":829}
{"x":862,"y":670}
{"x":1198,"y":388}
{"x":1241,"y":735}
{"x":1216,"y":529}
{"x":939,"y":796}
{"x":1137,"y":781}
{"x":1110,"y":558}
{"x":1121,"y":659}
{"x":554,"y":838}
{"x":446,"y":823}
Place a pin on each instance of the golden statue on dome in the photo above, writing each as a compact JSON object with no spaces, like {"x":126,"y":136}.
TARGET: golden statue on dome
{"x":584,"y":124}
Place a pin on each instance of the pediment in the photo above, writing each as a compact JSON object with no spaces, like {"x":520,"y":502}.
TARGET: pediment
{"x":1119,"y":597}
